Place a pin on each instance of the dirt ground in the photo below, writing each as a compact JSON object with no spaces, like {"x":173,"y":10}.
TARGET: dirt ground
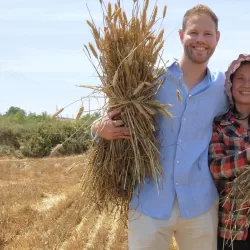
{"x":40,"y":208}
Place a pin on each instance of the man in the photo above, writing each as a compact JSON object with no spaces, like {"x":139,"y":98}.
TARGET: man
{"x":186,"y":204}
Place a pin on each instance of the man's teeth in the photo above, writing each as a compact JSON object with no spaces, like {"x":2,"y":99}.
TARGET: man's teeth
{"x":200,"y":48}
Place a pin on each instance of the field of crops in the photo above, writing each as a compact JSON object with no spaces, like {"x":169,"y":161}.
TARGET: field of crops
{"x":40,"y":208}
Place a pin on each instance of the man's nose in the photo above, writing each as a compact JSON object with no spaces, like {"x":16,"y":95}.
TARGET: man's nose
{"x":200,"y":38}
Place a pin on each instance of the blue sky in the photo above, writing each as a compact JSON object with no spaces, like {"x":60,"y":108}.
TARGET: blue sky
{"x":41,"y":47}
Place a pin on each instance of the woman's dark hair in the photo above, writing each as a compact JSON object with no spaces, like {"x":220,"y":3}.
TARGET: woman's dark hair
{"x":233,"y":109}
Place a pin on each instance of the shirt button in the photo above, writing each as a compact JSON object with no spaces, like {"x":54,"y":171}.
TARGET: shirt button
{"x":184,"y":118}
{"x":178,"y":161}
{"x":180,"y":140}
{"x":177,"y":183}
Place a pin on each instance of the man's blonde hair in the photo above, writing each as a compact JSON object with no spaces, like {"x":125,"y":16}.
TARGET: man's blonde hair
{"x":199,"y":10}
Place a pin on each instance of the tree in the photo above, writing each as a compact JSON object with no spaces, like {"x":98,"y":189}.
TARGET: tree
{"x":15,"y":111}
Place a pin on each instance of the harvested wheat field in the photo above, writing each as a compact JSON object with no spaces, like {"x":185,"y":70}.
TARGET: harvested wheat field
{"x":41,"y":209}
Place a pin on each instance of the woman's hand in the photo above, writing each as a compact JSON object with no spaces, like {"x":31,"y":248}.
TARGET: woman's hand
{"x":248,"y":154}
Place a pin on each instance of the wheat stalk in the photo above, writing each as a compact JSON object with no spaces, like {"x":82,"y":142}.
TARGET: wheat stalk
{"x":80,"y":112}
{"x":129,"y":50}
{"x":57,"y":113}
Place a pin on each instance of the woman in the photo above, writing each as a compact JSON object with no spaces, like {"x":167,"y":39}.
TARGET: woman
{"x":229,"y":154}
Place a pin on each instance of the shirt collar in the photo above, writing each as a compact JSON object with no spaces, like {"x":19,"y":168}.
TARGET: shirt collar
{"x":174,"y":61}
{"x":226,"y":119}
{"x":209,"y":74}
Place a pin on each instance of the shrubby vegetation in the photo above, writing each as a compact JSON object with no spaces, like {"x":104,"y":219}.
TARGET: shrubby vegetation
{"x":35,"y":135}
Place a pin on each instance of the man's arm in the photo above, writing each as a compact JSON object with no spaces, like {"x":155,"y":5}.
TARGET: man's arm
{"x":110,"y":129}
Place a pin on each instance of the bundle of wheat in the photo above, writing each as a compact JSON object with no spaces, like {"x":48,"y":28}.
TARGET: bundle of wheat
{"x":128,"y":54}
{"x":239,"y":197}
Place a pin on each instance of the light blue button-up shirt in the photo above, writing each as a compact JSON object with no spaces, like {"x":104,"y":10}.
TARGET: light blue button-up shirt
{"x":184,"y":147}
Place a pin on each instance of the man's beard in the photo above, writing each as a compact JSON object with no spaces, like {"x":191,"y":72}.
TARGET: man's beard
{"x":193,"y":58}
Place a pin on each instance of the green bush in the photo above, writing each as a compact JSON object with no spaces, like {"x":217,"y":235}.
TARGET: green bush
{"x":36,"y":138}
{"x":50,"y":134}
{"x":11,"y":132}
{"x":9,"y":137}
{"x":6,"y":150}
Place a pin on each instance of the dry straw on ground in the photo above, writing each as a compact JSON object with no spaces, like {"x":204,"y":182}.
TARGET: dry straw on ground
{"x":27,"y":221}
{"x":128,"y":51}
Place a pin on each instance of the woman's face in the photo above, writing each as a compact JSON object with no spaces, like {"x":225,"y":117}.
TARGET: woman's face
{"x":241,"y":85}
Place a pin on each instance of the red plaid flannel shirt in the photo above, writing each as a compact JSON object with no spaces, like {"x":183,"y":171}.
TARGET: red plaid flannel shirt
{"x":228,"y":159}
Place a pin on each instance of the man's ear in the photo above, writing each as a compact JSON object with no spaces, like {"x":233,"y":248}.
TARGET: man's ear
{"x":217,"y":36}
{"x":181,"y":35}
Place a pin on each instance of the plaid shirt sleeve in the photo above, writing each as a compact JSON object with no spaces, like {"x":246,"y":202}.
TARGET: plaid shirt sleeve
{"x":223,"y":165}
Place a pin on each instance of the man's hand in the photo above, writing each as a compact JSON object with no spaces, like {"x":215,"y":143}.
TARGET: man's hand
{"x":110,"y":129}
